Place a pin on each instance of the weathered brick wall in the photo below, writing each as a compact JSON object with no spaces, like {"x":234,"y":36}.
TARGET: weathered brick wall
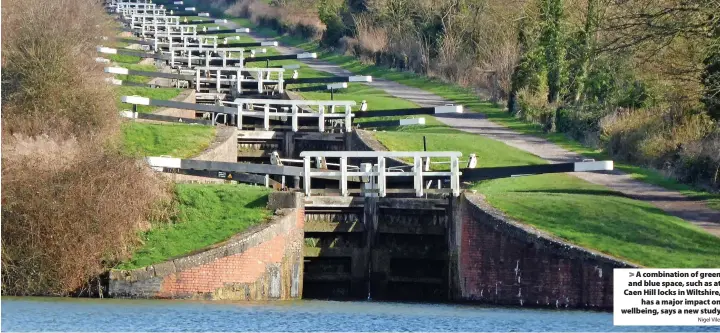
{"x":261,"y":264}
{"x":505,"y":262}
{"x":222,"y":149}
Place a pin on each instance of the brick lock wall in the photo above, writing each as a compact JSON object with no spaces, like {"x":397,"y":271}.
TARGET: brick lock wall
{"x":258,"y":265}
{"x":246,"y":267}
{"x":505,"y":262}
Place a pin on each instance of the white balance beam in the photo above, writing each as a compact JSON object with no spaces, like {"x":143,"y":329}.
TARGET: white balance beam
{"x":116,"y":70}
{"x":307,"y":55}
{"x":138,"y":100}
{"x":360,"y":78}
{"x":342,"y":85}
{"x":449,"y":109}
{"x":412,"y":121}
{"x":164,"y":162}
{"x":106,"y":50}
{"x":594,"y":166}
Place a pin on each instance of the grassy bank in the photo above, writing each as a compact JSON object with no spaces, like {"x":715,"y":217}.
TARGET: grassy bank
{"x":176,"y":140}
{"x":572,"y":209}
{"x":582,"y":213}
{"x":122,"y":59}
{"x":206,"y":215}
{"x":152,"y":93}
{"x":472,"y":102}
{"x":136,"y":67}
{"x":579,"y":212}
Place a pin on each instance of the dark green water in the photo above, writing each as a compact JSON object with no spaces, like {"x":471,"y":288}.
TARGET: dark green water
{"x":66,"y":314}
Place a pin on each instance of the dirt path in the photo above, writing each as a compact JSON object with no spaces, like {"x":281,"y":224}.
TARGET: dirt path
{"x":672,"y":202}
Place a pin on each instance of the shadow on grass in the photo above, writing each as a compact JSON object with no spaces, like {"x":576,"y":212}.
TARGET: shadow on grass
{"x":260,"y":202}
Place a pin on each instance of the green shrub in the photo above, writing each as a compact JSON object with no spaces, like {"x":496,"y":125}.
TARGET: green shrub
{"x":335,"y":27}
{"x":581,"y":123}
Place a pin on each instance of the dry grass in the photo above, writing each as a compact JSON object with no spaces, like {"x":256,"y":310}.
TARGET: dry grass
{"x":41,"y":60}
{"x":370,"y":37}
{"x":72,"y":204}
{"x":298,"y":17}
{"x":682,"y":143}
{"x":68,"y":211}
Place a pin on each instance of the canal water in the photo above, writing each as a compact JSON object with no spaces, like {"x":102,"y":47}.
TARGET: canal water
{"x":73,"y":314}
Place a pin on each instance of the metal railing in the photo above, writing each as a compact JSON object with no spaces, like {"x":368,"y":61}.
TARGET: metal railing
{"x":247,"y":107}
{"x":379,"y":172}
{"x":226,"y":56}
{"x":234,"y":76}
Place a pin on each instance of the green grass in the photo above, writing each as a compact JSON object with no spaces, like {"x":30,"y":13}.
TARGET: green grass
{"x":579,"y":212}
{"x":471,"y":102}
{"x":176,"y":140}
{"x":572,"y":209}
{"x":137,"y":78}
{"x":207,"y":214}
{"x":123,"y":58}
{"x":152,"y":93}
{"x":592,"y":216}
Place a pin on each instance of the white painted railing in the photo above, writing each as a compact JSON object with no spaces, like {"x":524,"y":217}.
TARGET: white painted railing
{"x":177,"y":30}
{"x":378,"y":173}
{"x":234,"y":75}
{"x":247,"y":107}
{"x":151,"y":23}
{"x":173,"y":32}
{"x":235,"y":54}
{"x":152,"y":12}
{"x":195,"y":43}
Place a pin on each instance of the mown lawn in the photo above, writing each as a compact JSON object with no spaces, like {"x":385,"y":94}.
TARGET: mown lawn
{"x":176,"y":140}
{"x":577,"y":211}
{"x":206,"y":215}
{"x":122,"y":58}
{"x":152,"y":93}
{"x":594,"y":217}
{"x":473,"y":103}
{"x":580,"y":212}
{"x":136,"y":78}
